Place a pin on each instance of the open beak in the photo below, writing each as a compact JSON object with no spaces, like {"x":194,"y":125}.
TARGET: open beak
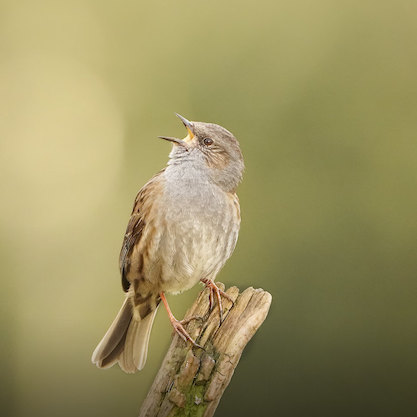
{"x":188,"y":139}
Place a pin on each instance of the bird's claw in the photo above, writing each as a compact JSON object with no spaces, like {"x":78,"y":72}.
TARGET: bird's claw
{"x":214,"y":289}
{"x":179,"y":328}
{"x":186,"y":321}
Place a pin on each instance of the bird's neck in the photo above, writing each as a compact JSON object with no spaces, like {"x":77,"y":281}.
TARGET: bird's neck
{"x":187,"y":167}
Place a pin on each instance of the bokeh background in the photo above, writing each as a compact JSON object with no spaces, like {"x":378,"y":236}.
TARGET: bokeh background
{"x":323,"y":98}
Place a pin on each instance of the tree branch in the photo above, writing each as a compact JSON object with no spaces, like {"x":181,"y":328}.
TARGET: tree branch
{"x":191,"y":381}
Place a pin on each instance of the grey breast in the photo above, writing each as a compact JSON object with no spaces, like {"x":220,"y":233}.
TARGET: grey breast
{"x":200,"y":230}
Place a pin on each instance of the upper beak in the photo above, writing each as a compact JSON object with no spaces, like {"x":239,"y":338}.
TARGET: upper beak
{"x":182,"y":142}
{"x":189,"y":125}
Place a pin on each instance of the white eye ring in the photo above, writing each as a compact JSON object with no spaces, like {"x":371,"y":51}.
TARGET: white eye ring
{"x":208,"y":141}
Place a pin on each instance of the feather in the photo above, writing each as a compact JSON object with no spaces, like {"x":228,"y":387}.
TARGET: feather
{"x":126,"y":341}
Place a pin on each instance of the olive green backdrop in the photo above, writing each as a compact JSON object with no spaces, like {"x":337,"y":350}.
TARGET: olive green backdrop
{"x":322,"y":96}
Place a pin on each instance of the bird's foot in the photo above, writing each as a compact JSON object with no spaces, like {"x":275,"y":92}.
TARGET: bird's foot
{"x":179,"y":328}
{"x":215,"y":290}
{"x":179,"y":325}
{"x":186,"y":321}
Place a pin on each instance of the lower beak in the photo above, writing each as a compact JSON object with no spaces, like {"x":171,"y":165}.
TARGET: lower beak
{"x":174,"y":140}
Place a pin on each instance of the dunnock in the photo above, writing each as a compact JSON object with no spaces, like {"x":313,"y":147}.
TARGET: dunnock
{"x":184,"y":226}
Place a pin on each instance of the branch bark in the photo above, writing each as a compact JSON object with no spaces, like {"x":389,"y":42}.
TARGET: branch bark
{"x":191,"y":381}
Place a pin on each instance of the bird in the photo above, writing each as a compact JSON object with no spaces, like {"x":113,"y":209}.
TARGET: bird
{"x":183,"y":228}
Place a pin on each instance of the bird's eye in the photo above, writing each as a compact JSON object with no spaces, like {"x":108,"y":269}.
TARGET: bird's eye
{"x":208,"y":141}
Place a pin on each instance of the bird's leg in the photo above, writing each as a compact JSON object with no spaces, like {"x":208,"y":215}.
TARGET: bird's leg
{"x":178,"y":325}
{"x":214,"y":289}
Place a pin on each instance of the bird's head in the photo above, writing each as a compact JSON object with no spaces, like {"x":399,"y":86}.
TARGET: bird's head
{"x":216,"y":148}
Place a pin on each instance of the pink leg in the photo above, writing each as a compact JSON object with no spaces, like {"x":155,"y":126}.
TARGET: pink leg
{"x":214,"y":289}
{"x":178,"y":325}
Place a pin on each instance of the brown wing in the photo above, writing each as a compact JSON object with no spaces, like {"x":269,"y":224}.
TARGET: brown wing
{"x":135,"y":227}
{"x":132,"y":235}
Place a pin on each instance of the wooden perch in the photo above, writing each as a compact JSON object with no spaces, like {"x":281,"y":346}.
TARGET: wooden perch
{"x":191,"y":381}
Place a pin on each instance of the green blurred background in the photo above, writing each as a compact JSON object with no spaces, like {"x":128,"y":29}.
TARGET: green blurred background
{"x":323,"y":98}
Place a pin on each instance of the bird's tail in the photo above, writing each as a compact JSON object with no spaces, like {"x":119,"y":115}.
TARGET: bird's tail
{"x":126,"y":341}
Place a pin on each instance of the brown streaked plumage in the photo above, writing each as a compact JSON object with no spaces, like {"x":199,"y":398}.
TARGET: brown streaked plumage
{"x":183,"y":227}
